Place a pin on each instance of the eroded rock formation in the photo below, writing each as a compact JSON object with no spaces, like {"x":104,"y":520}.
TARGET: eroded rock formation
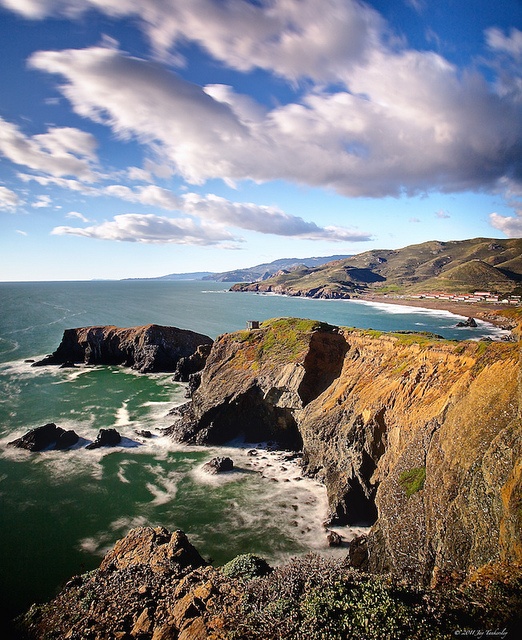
{"x":48,"y":436}
{"x":417,"y":436}
{"x":151,"y":348}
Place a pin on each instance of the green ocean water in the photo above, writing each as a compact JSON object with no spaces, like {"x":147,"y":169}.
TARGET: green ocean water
{"x":61,"y":510}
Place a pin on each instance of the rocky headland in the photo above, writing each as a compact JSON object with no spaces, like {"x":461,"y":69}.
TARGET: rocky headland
{"x":150,"y":348}
{"x":418,"y":437}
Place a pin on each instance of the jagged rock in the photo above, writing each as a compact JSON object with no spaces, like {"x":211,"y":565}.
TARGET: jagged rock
{"x":334,"y":539}
{"x":67,"y":365}
{"x":67,"y":439}
{"x":470,"y":322}
{"x":219,"y":465}
{"x":150,"y":348}
{"x":144,"y":433}
{"x":45,"y":437}
{"x":162,"y":551}
{"x":105,"y":438}
{"x":358,"y":553}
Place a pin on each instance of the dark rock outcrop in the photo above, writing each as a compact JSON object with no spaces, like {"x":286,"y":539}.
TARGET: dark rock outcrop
{"x":470,"y":322}
{"x":48,"y":436}
{"x":105,"y":438}
{"x":151,"y":348}
{"x":219,"y":465}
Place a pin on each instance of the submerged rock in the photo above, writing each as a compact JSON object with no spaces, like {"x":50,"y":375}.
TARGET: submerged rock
{"x":105,"y":438}
{"x":219,"y":465}
{"x":45,"y":437}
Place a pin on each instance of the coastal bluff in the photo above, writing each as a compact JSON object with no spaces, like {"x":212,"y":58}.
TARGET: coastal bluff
{"x":147,"y":349}
{"x":417,"y":436}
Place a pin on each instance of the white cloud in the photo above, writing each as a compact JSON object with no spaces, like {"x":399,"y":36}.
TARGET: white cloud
{"x":410,"y":124}
{"x":510,"y":225}
{"x":441,"y":213}
{"x":510,"y":44}
{"x":22,"y":233}
{"x":264,"y":219}
{"x":9,"y":200}
{"x":42,"y":202}
{"x":148,"y":228}
{"x":292,"y":39}
{"x":62,"y":151}
{"x":77,"y":216}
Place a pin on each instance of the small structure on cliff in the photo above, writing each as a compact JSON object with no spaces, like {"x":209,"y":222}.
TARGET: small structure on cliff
{"x":252,"y":324}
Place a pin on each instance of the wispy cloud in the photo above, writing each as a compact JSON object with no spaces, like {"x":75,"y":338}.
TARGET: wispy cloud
{"x":42,"y":202}
{"x":9,"y":200}
{"x":61,"y":151}
{"x":76,"y":215}
{"x":442,"y":214}
{"x":369,"y":141}
{"x":149,"y":228}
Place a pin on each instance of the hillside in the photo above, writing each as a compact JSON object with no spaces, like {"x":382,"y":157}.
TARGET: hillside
{"x":454,"y":267}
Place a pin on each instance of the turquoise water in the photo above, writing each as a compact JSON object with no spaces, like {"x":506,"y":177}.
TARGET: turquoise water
{"x":60,"y":511}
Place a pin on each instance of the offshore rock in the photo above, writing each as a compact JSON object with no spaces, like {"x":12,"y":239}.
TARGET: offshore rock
{"x":150,"y":348}
{"x":48,"y":436}
{"x":418,"y":437}
{"x":470,"y":322}
{"x":219,"y":465}
{"x":105,"y":438}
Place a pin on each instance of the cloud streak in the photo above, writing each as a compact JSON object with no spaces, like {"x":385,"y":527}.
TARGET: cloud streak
{"x":151,"y":229}
{"x":409,"y":124}
{"x":9,"y":200}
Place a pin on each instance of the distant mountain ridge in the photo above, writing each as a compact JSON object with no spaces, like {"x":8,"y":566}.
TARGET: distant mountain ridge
{"x":453,"y":267}
{"x":258,"y":272}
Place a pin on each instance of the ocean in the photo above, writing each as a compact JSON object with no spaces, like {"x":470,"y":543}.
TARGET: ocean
{"x":60,"y":511}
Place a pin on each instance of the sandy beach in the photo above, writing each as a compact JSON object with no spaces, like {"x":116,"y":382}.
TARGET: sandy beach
{"x":482,"y":311}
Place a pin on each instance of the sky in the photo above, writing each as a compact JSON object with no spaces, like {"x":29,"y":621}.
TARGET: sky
{"x":140,"y":138}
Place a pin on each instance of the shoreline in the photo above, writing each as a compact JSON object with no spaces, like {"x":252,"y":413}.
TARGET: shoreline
{"x":487,"y":312}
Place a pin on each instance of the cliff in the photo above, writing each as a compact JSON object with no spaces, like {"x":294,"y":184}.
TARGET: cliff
{"x":151,"y":348}
{"x":417,"y":436}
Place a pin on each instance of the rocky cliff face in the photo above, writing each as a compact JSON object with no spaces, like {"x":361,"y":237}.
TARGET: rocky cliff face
{"x":419,"y":437}
{"x":151,"y":348}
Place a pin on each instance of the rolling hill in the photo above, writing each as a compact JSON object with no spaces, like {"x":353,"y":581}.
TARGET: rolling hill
{"x":453,"y":267}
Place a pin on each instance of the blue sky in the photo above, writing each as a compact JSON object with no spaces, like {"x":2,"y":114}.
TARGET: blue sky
{"x":146,"y":137}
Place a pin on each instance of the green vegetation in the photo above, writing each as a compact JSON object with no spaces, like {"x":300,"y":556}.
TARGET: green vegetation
{"x":454,"y":267}
{"x":280,"y":340}
{"x":318,"y":598}
{"x":246,"y":567}
{"x":412,"y":480}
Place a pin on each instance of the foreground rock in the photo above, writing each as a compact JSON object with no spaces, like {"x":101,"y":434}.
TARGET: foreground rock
{"x":151,"y":348}
{"x":154,"y":585}
{"x":48,"y":436}
{"x":419,"y":437}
